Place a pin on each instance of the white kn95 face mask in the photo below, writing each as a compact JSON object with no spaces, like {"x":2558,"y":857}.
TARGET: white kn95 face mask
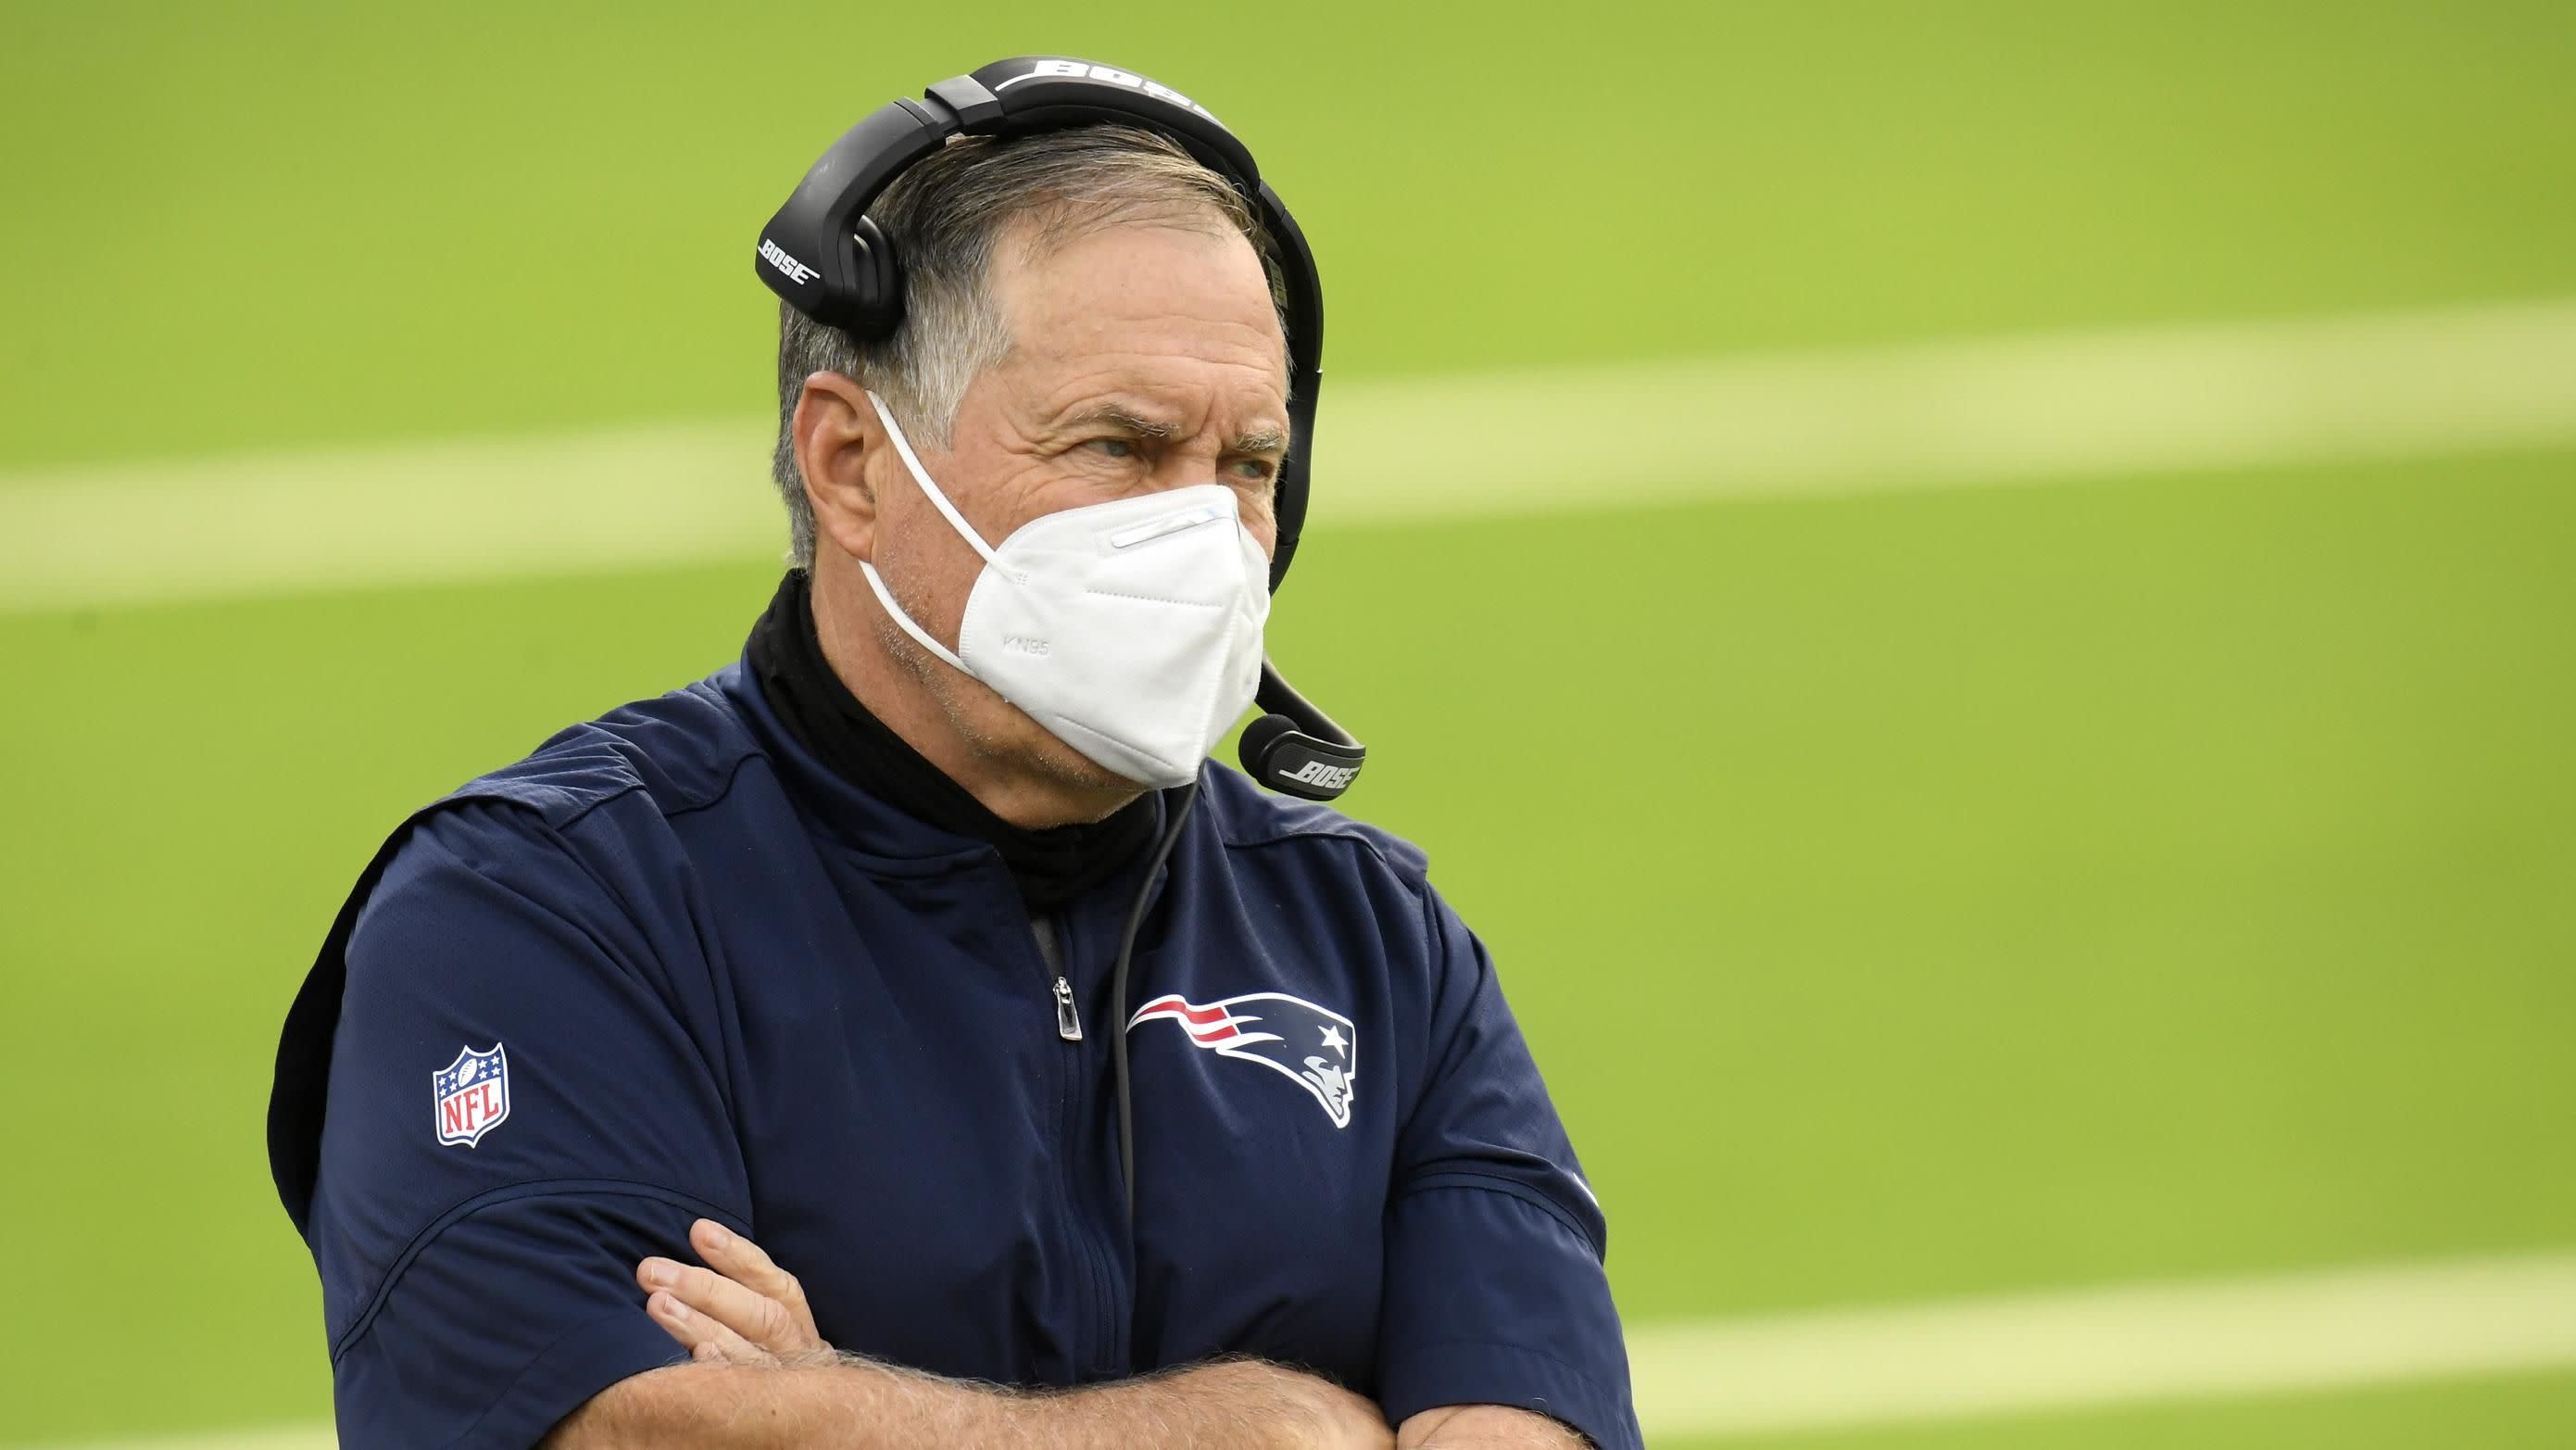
{"x":1130,"y":629}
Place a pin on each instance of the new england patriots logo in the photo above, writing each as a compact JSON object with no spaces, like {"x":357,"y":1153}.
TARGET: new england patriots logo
{"x":1314,"y":1048}
{"x":471,"y":1094}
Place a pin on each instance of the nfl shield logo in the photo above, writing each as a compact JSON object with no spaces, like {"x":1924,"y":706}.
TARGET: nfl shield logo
{"x":472,"y":1094}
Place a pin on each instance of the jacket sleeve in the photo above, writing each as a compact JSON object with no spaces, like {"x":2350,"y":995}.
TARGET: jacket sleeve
{"x":521,"y":1104}
{"x":1495,"y":1291}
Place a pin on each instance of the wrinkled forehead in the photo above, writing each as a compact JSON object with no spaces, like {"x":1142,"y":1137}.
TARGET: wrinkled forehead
{"x":1184,"y":290}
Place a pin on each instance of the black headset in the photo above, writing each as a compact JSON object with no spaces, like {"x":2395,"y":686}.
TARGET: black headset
{"x":832,"y":263}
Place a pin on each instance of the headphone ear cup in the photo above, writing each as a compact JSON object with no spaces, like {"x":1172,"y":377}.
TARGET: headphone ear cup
{"x":876,"y":283}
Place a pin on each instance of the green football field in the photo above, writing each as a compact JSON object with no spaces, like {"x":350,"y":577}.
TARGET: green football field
{"x":1918,"y":896}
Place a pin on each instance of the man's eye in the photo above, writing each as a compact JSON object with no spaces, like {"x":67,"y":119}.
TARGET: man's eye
{"x":1256,"y":470}
{"x":1115,"y":447}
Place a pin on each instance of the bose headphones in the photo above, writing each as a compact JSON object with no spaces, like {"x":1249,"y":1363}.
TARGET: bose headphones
{"x":829,"y":261}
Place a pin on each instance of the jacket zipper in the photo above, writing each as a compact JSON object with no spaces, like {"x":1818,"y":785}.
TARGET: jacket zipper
{"x":1068,"y":1022}
{"x":1068,"y":1026}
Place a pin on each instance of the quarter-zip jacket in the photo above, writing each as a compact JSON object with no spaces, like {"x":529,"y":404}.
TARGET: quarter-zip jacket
{"x":671,"y":966}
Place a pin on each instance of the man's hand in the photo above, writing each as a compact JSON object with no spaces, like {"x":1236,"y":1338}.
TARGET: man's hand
{"x":741,"y":1307}
{"x":1485,"y":1427}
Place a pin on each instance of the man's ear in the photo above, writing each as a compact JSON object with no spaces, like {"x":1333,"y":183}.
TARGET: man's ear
{"x":839,"y":442}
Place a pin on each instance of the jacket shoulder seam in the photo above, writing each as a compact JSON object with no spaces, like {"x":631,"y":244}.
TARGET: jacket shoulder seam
{"x":1413,"y":879}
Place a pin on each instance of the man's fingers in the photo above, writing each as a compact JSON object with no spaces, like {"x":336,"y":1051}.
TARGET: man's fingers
{"x":757,"y":1318}
{"x":747,"y":1264}
{"x":704,"y":1337}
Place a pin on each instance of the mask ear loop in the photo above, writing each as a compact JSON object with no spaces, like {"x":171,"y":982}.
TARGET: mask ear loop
{"x":894,"y":611}
{"x":920,"y":475}
{"x":948,"y":511}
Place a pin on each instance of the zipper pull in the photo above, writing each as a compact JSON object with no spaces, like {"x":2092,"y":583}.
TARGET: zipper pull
{"x":1068,"y":1024}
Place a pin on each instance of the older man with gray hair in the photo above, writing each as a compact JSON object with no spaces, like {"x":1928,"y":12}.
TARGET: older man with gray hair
{"x":779,"y":1031}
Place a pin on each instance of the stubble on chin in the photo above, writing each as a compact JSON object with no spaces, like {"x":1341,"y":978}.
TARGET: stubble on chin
{"x":993,"y":728}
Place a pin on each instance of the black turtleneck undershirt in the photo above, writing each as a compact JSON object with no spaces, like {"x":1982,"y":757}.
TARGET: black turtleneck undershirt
{"x":1053,"y":867}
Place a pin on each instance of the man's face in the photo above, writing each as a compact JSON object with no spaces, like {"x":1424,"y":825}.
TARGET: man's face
{"x":1144,"y":358}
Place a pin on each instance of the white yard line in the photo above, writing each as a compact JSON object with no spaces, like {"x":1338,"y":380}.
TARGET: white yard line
{"x":2064,"y":406}
{"x":1992,"y":1357}
{"x":2138,"y":1344}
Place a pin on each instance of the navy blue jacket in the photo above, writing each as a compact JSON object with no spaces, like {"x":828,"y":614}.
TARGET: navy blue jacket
{"x":671,"y":966}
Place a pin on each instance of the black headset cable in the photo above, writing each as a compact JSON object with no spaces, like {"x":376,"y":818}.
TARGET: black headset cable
{"x":1118,"y":1001}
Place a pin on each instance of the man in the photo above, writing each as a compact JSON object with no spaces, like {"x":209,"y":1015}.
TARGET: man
{"x":768,"y":1024}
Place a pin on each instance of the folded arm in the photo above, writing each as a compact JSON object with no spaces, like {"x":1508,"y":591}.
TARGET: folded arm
{"x":862,"y":1405}
{"x":762,"y":1375}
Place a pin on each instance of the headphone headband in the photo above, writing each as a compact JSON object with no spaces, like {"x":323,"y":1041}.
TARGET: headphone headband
{"x":829,"y":261}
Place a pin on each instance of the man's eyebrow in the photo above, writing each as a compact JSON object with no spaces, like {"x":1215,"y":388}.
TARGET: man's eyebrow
{"x":1125,"y":420}
{"x":1259,"y":440}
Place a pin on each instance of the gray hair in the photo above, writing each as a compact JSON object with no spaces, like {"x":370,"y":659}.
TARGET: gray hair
{"x":945,"y":216}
